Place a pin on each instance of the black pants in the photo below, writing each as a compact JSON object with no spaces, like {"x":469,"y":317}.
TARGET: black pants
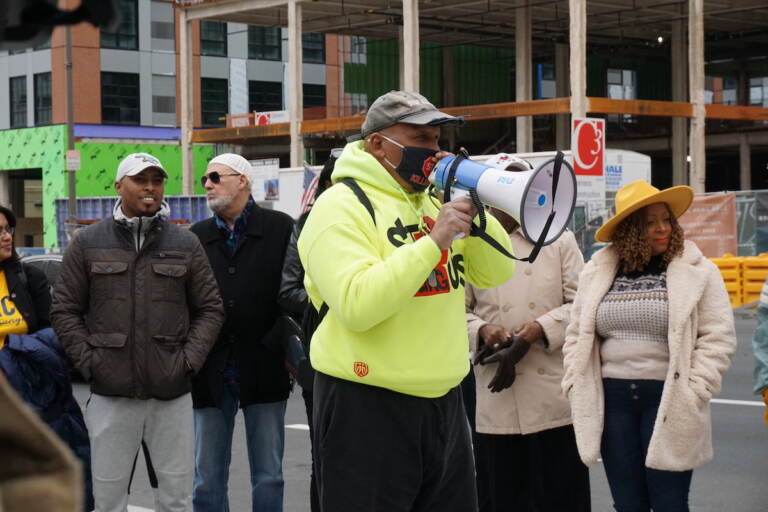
{"x":539,"y":472}
{"x":381,"y":451}
{"x":314,"y":503}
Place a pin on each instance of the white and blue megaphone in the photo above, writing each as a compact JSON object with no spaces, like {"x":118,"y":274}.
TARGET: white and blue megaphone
{"x":541,"y":200}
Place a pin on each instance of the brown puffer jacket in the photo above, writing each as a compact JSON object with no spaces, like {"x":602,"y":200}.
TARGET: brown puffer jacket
{"x":135,"y":324}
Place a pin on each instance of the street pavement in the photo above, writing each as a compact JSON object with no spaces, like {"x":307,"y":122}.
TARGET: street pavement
{"x":734,"y":482}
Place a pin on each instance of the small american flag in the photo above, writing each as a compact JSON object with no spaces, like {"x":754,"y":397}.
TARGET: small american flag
{"x":310,"y":186}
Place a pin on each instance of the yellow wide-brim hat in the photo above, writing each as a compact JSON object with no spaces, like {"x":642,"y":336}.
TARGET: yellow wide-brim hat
{"x":638,"y":194}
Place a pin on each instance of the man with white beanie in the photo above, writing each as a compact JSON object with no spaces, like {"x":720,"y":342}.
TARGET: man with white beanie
{"x":246,"y":246}
{"x":137,"y":309}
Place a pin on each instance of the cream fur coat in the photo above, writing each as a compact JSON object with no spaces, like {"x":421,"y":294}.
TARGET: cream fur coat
{"x":701,"y":339}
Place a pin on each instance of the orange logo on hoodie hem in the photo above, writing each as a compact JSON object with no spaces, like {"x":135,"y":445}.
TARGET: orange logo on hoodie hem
{"x":361,"y":369}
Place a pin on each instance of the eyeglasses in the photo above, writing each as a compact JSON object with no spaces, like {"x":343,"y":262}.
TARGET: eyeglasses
{"x":9,"y":230}
{"x":215,"y":177}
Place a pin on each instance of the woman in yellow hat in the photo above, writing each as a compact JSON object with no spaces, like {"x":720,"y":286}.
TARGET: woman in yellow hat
{"x":651,"y":333}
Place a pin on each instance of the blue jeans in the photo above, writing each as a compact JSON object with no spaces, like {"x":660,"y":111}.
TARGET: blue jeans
{"x":265,"y":436}
{"x":630,"y":413}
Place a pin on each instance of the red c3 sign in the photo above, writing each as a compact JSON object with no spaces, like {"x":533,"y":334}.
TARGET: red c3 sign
{"x":588,"y":146}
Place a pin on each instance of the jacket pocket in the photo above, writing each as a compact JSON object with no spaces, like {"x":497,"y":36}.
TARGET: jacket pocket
{"x":110,"y":365}
{"x":166,"y":368}
{"x":169,"y":282}
{"x":109,"y":280}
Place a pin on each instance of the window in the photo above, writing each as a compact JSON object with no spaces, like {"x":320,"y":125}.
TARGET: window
{"x":314,"y":95}
{"x":358,"y":103}
{"x":162,"y":28}
{"x":358,"y":50}
{"x":43,"y":114}
{"x":720,"y":90}
{"x":213,"y":38}
{"x":265,"y":43}
{"x":314,"y":48}
{"x":163,"y":100}
{"x":120,"y":98}
{"x":18,"y":94}
{"x":265,"y":96}
{"x":622,"y":85}
{"x":126,"y":36}
{"x":545,"y":81}
{"x":215,"y":92}
{"x":758,"y":91}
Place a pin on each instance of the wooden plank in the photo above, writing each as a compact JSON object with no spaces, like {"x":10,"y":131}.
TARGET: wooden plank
{"x":331,"y":125}
{"x":245,"y":132}
{"x":511,"y":109}
{"x":640,"y":107}
{"x":352,"y":123}
{"x":737,"y":112}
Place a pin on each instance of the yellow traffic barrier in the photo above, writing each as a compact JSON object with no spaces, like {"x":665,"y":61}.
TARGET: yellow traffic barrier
{"x":754,"y":273}
{"x":730,"y":267}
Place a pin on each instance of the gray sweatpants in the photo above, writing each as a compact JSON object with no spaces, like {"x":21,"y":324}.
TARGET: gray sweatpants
{"x":116,"y":427}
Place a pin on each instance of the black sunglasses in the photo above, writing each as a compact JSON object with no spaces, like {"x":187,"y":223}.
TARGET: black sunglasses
{"x":215,"y":177}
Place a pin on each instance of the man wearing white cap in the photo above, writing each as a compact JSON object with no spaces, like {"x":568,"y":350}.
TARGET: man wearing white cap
{"x":246,"y":247}
{"x":137,"y":309}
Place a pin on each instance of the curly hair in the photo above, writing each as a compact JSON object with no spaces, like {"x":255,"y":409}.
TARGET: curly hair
{"x":633,"y":248}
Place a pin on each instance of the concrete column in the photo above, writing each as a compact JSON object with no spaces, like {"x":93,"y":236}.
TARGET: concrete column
{"x":745,"y":163}
{"x":562,"y":128}
{"x":401,"y":58}
{"x":578,"y":44}
{"x":742,"y":85}
{"x":449,"y":95}
{"x":679,"y":72}
{"x":5,"y":191}
{"x":410,"y":54}
{"x":697,"y":170}
{"x":186,"y":84}
{"x":295,"y":81}
{"x":523,"y":77}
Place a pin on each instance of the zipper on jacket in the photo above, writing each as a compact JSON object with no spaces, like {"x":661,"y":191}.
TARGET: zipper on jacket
{"x":147,"y":303}
{"x":138,"y":388}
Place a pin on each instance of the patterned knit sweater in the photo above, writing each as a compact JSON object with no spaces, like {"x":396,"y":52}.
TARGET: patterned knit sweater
{"x":632,"y":323}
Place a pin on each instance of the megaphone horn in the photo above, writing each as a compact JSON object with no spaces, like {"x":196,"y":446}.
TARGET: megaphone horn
{"x":530,"y":197}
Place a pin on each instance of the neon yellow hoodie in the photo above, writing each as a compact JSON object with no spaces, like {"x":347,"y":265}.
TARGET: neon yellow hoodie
{"x":396,"y":314}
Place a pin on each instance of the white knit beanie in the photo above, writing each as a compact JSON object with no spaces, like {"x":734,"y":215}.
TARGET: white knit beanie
{"x":235,"y":162}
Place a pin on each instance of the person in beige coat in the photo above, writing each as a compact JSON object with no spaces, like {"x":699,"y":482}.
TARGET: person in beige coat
{"x":38,"y":473}
{"x":651,"y":334}
{"x":525,"y":446}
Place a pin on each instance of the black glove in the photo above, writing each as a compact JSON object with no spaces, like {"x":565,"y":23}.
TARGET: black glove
{"x":507,"y":358}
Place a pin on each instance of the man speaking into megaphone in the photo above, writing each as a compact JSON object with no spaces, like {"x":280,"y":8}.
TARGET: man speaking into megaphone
{"x":386,"y":269}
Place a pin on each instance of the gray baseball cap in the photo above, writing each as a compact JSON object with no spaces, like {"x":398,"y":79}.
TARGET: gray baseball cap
{"x":403,"y":107}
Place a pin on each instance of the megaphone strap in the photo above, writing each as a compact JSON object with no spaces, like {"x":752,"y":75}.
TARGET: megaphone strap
{"x":451,"y":177}
{"x":479,"y":230}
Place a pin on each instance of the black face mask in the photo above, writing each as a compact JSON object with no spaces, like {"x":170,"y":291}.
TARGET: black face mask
{"x":415,"y":165}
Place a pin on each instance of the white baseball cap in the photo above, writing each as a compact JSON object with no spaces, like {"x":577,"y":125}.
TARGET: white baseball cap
{"x":235,"y":162}
{"x":135,"y":163}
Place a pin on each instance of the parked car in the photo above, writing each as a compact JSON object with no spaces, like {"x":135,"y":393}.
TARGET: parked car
{"x":48,"y":263}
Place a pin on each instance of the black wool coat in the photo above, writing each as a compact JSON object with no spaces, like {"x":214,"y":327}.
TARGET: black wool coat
{"x":32,"y":300}
{"x":249,"y":283}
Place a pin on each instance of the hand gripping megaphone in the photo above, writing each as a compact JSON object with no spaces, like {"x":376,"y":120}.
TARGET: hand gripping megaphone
{"x":541,"y":200}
